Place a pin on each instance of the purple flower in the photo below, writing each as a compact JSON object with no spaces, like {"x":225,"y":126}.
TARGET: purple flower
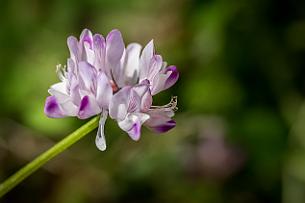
{"x":103,"y":77}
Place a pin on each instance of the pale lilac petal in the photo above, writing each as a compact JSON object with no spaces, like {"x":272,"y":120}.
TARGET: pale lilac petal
{"x":131,"y":65}
{"x":100,"y":140}
{"x":145,"y":95}
{"x":142,"y":88}
{"x":132,"y":124}
{"x":114,"y":46}
{"x":164,"y":80}
{"x":154,"y":67}
{"x":145,"y":59}
{"x":135,"y":131}
{"x":99,"y":47}
{"x":159,"y":83}
{"x":87,"y":75}
{"x":88,"y":107}
{"x":52,"y":108}
{"x":114,"y":51}
{"x":103,"y":91}
{"x":73,"y":48}
{"x":146,"y":101}
{"x":119,"y":104}
{"x":134,"y":103}
{"x":74,"y":91}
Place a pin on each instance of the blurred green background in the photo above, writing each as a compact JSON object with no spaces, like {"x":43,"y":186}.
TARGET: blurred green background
{"x":240,"y":134}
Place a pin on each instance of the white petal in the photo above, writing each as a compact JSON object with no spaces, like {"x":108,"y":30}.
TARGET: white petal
{"x":132,"y":124}
{"x":86,"y":75}
{"x":145,"y":59}
{"x":103,"y":90}
{"x":59,"y":90}
{"x":119,"y":104}
{"x":100,"y":140}
{"x":131,"y":69}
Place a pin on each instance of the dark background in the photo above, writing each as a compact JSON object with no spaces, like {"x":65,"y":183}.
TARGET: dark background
{"x":240,"y":134}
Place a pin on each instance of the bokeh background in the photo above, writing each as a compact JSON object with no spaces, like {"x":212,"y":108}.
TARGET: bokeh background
{"x":240,"y":134}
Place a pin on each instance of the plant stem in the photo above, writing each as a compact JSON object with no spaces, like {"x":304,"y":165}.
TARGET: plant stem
{"x":31,"y":167}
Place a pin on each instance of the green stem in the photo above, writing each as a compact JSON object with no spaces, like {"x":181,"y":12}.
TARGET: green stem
{"x":31,"y":167}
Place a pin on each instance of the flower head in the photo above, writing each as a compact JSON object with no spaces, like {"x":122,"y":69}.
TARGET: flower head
{"x":103,"y":77}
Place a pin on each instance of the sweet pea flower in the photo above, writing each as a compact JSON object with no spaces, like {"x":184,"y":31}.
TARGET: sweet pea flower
{"x":102,"y":76}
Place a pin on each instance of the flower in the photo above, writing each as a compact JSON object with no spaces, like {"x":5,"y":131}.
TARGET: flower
{"x":103,"y":77}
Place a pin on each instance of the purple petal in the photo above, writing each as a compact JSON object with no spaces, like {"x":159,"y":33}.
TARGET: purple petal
{"x":162,"y":128}
{"x":160,"y":120}
{"x":88,"y":107}
{"x":165,"y":79}
{"x":173,"y":77}
{"x":52,"y":108}
{"x":86,"y":37}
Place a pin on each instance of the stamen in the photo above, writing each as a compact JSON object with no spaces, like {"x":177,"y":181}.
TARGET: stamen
{"x":171,"y":105}
{"x":61,"y":71}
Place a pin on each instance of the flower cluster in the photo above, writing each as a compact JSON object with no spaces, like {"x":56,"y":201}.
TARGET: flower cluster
{"x":103,"y":77}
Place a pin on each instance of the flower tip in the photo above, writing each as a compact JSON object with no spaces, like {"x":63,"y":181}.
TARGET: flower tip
{"x":100,"y":143}
{"x":51,"y":108}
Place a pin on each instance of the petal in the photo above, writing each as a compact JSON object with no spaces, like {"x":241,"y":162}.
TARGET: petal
{"x":146,"y":101}
{"x":86,"y":75}
{"x":103,"y":91}
{"x":134,"y":101}
{"x":52,"y":108}
{"x":114,"y":52}
{"x":100,"y":140}
{"x":145,"y":95}
{"x":173,"y":77}
{"x":88,"y":107}
{"x":131,"y":68}
{"x":114,"y":46}
{"x":159,"y":121}
{"x":154,"y":67}
{"x":145,"y":59}
{"x":99,"y":47}
{"x":163,"y":127}
{"x":132,"y":124}
{"x":86,"y":38}
{"x":59,"y":90}
{"x":73,"y":48}
{"x":74,"y":91}
{"x":68,"y":108}
{"x":164,"y":80}
{"x":119,"y":104}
